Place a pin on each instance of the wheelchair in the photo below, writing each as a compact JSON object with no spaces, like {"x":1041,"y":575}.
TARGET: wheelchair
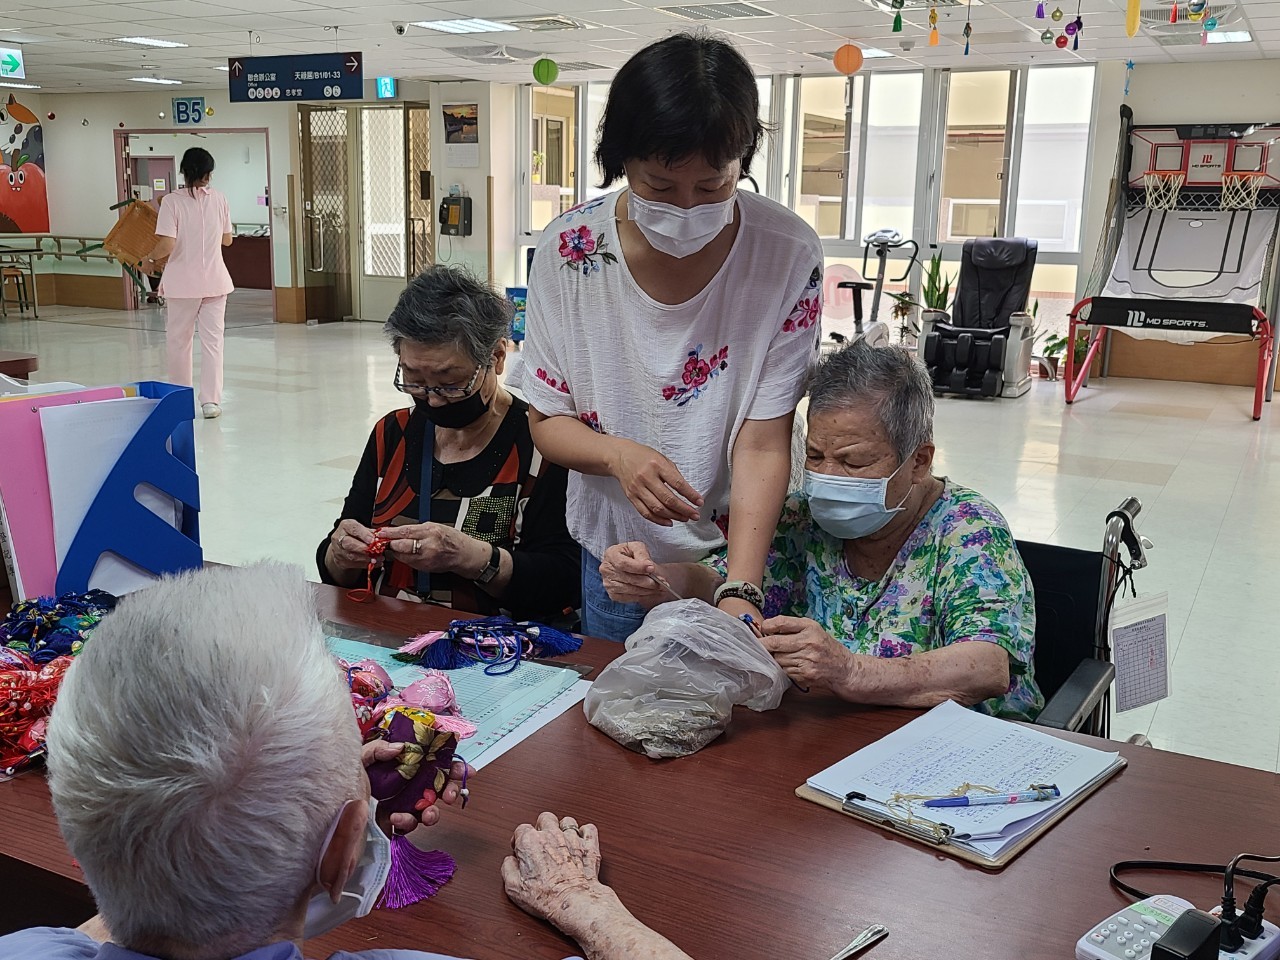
{"x":983,"y":347}
{"x":1074,"y":593}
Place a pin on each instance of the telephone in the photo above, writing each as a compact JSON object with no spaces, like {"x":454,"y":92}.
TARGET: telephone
{"x":455,"y":217}
{"x":1129,"y":934}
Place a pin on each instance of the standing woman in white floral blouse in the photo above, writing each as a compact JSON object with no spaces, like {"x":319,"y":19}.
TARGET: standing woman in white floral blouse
{"x":671,"y":327}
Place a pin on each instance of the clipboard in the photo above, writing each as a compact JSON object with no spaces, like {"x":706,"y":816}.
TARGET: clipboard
{"x":886,"y":820}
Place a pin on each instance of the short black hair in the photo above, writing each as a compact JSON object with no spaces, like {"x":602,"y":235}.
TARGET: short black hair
{"x":197,"y":163}
{"x":450,"y":305}
{"x":688,"y":95}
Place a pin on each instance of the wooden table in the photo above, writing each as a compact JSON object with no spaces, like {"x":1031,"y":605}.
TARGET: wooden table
{"x":715,"y":851}
{"x":20,"y":366}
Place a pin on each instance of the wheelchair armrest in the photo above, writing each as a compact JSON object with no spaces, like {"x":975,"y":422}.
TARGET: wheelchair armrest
{"x":1079,"y":696}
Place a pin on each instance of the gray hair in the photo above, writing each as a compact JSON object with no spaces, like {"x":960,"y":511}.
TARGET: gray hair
{"x":200,"y":748}
{"x":448,"y":306}
{"x":890,"y":379}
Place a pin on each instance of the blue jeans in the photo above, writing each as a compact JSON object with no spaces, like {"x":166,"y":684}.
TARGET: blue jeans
{"x":601,"y":616}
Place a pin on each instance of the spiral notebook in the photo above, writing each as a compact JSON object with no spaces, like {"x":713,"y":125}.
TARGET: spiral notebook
{"x":942,"y":751}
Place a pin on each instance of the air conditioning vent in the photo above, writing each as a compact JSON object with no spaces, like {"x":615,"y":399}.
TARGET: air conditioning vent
{"x":580,"y":65}
{"x":493,"y":54}
{"x":717,"y":11}
{"x":552,"y":22}
{"x":888,"y":7}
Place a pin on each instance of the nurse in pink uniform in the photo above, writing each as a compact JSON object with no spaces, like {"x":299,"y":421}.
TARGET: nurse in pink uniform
{"x":194,"y":226}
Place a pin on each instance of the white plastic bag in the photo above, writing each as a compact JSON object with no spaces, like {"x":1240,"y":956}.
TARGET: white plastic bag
{"x":674,"y":690}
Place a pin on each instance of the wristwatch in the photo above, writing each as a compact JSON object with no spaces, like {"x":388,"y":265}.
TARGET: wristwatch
{"x":495,"y":564}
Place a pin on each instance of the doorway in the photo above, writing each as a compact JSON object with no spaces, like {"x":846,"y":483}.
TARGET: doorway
{"x":147,"y":169}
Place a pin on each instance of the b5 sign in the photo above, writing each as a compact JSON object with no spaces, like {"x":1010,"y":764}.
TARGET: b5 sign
{"x":188,"y":111}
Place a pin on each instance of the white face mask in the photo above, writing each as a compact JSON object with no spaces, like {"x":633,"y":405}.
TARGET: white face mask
{"x":850,"y":507}
{"x":678,"y":232}
{"x":363,"y":886}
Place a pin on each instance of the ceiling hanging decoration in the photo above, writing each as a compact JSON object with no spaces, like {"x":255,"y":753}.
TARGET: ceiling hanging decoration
{"x":968,"y":26}
{"x":1173,"y":12}
{"x":897,"y":15}
{"x":1133,"y":18}
{"x":1046,"y":37}
{"x":1075,"y":28}
{"x":848,"y":59}
{"x":545,"y":71}
{"x":1040,"y":10}
{"x":1056,"y":15}
{"x":1128,"y":73}
{"x":933,"y":26}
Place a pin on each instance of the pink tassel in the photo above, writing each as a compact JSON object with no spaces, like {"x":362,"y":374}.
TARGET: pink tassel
{"x":420,"y":643}
{"x":1204,"y":38}
{"x":415,"y":874}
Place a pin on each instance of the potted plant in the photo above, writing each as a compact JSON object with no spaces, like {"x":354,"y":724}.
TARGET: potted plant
{"x":935,"y":289}
{"x":903,"y":309}
{"x":1056,"y":345}
{"x":539,"y":160}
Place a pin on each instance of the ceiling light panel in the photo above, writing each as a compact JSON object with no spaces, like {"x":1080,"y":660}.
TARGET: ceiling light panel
{"x":465,"y":26}
{"x":154,"y":80}
{"x":147,"y":42}
{"x":716,"y":11}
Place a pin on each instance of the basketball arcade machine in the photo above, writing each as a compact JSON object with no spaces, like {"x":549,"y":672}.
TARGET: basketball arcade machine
{"x":1189,"y":255}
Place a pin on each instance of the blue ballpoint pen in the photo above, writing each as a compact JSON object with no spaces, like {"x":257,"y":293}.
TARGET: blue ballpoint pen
{"x":1046,"y":792}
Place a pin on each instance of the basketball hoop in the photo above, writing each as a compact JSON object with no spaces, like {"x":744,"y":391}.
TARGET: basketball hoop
{"x":1163,"y":188}
{"x":1240,"y":190}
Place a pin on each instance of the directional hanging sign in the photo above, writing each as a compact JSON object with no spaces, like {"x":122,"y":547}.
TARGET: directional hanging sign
{"x":314,"y":76}
{"x":11,"y":65}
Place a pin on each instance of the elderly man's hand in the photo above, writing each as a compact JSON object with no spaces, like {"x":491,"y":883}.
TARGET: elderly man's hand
{"x":807,"y":653}
{"x":379,"y":750}
{"x":554,"y":872}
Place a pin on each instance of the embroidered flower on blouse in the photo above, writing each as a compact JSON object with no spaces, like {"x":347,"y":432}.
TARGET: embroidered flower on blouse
{"x":550,"y":381}
{"x":587,"y":206}
{"x":698,"y":372}
{"x":804,"y":314}
{"x":592,"y":420}
{"x":582,"y":251}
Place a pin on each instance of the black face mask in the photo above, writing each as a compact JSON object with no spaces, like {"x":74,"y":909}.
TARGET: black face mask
{"x":456,"y":415}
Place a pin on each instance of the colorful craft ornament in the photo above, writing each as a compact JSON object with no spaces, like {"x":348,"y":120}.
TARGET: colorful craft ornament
{"x":1211,"y":23}
{"x":1046,"y":37}
{"x":410,"y":783}
{"x":1128,"y":72}
{"x":1196,"y":6}
{"x":38,"y":639}
{"x":375,"y":550}
{"x":1194,"y":16}
{"x":933,"y":26}
{"x":1061,"y":41}
{"x":1173,"y":12}
{"x":968,"y":26}
{"x":1040,"y":10}
{"x":498,"y":642}
{"x":1056,"y":15}
{"x":1204,"y":38}
{"x":545,"y":71}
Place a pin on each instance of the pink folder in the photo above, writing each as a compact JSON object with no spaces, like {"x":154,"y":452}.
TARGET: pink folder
{"x":24,"y":488}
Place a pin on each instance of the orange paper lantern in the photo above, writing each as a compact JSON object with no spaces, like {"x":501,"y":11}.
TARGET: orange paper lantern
{"x":848,"y":59}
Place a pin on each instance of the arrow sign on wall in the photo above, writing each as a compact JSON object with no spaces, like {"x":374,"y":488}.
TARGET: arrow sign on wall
{"x":11,"y":64}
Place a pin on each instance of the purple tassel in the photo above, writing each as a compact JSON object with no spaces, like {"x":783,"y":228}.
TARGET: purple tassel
{"x":1039,"y":11}
{"x":415,"y":874}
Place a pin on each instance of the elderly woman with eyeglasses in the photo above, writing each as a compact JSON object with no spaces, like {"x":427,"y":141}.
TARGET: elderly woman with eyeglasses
{"x":490,"y":533}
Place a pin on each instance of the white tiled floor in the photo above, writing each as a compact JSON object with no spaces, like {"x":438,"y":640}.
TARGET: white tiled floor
{"x":301,"y":400}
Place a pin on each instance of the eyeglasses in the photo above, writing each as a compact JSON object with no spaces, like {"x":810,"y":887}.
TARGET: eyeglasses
{"x":448,"y":393}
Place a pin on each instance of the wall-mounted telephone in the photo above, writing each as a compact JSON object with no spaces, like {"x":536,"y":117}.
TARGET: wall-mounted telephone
{"x":455,"y":217}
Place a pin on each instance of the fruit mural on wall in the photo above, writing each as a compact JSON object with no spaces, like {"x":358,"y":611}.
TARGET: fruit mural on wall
{"x":24,"y":199}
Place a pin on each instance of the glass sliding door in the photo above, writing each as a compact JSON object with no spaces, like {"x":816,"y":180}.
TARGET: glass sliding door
{"x":893,"y":143}
{"x":975,"y":155}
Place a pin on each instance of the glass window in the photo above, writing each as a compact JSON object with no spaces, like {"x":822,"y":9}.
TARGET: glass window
{"x":1055,"y":150}
{"x":597,"y":96}
{"x":973,"y":159}
{"x":382,"y":194}
{"x":555,"y":151}
{"x":823,"y":162}
{"x":893,"y":137}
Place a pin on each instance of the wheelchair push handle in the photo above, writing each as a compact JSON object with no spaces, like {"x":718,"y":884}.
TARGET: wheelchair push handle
{"x":1121,"y":529}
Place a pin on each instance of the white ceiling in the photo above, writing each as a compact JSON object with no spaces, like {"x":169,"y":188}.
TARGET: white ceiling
{"x":58,"y":36}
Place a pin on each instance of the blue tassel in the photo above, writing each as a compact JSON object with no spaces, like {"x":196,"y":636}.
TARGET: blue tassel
{"x":1075,"y":41}
{"x":966,"y":48}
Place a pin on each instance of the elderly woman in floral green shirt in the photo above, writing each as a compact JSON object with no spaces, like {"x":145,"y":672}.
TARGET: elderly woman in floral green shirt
{"x":884,"y":583}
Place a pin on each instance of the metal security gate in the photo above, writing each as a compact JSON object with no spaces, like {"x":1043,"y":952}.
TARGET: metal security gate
{"x":418,"y":188}
{"x":325,"y":142}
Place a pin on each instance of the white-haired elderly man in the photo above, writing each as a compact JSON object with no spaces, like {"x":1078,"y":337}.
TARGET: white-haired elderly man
{"x":884,"y":583}
{"x":173,"y":764}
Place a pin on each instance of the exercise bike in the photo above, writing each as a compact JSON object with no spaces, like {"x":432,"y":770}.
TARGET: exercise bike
{"x":876,"y":332}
